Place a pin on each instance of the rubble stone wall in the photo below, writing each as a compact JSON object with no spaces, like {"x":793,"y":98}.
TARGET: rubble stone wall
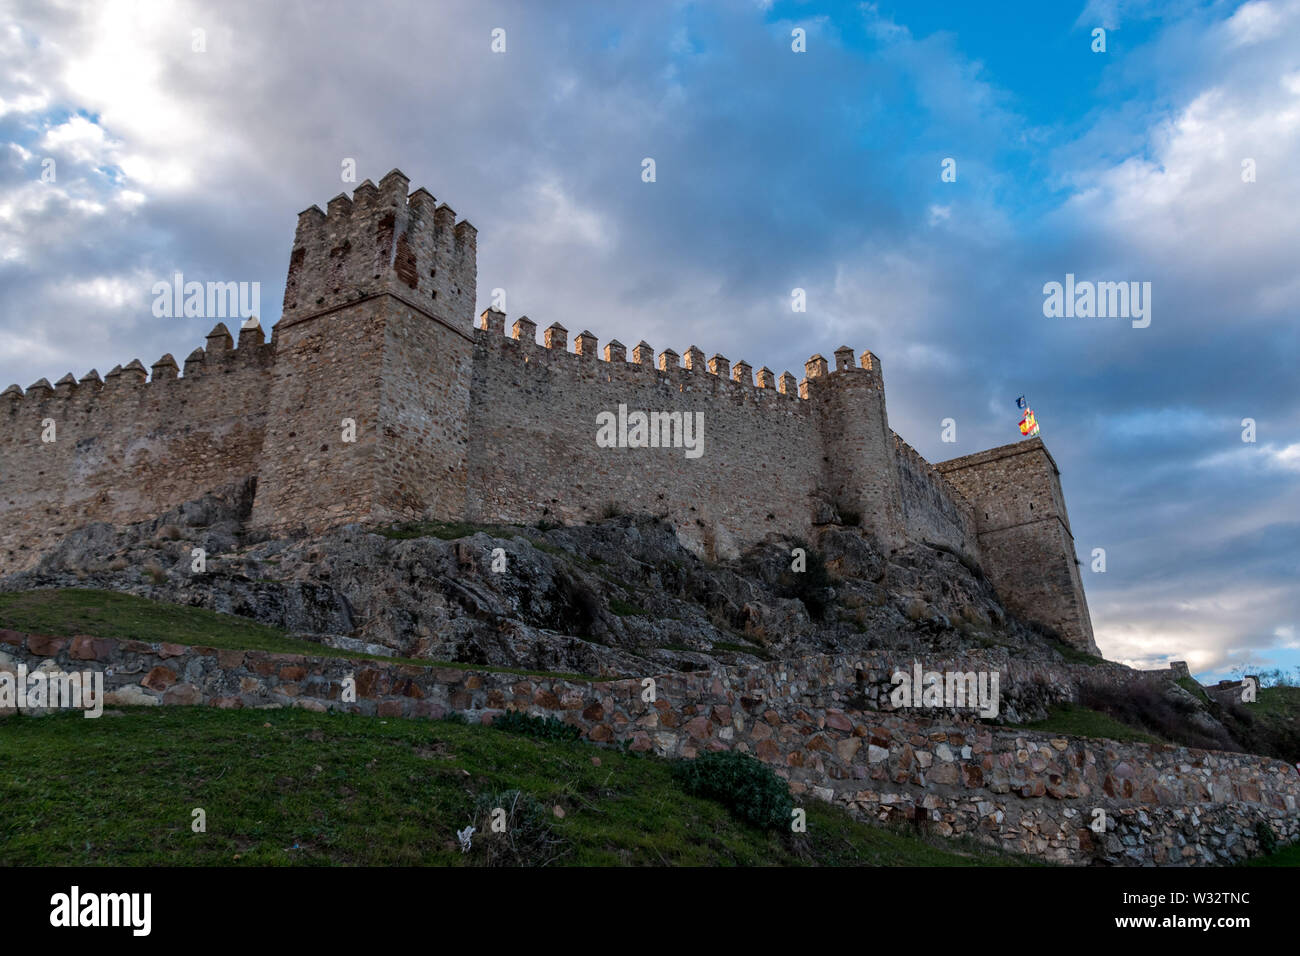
{"x":815,"y":721}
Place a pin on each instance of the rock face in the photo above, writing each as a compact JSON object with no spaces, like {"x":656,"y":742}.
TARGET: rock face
{"x":612,"y":597}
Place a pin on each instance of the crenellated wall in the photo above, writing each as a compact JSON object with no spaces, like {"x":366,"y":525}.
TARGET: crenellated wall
{"x":126,"y":448}
{"x":379,"y":401}
{"x":933,"y":509}
{"x":533,"y":454}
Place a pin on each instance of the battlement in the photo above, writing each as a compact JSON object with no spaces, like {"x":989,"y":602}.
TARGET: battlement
{"x":614,"y":364}
{"x":718,"y":374}
{"x":378,"y":400}
{"x":383,"y":241}
{"x":132,"y":382}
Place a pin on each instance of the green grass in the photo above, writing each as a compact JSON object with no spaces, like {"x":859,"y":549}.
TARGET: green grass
{"x":1084,"y":722}
{"x":68,"y":611}
{"x":1074,"y":655}
{"x":128,"y":617}
{"x":753,"y":649}
{"x":1284,"y":856}
{"x":446,"y":530}
{"x":1283,"y":702}
{"x":286,"y":787}
{"x":1193,"y":687}
{"x":626,"y":608}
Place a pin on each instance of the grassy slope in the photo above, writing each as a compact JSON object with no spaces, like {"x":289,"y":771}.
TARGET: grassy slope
{"x":1083,"y":722}
{"x":1285,"y":856}
{"x":68,"y":611}
{"x":1282,"y":703}
{"x":120,"y":789}
{"x":346,"y":789}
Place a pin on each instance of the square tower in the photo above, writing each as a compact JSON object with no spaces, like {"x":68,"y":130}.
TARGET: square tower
{"x":373,"y":352}
{"x":1026,"y":544}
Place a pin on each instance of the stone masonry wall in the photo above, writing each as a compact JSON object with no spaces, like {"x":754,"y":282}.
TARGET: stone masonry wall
{"x":327,"y":370}
{"x":1026,"y":542}
{"x":933,"y":509}
{"x":423,"y":467}
{"x":1028,"y":792}
{"x":533,"y":452}
{"x":126,"y":449}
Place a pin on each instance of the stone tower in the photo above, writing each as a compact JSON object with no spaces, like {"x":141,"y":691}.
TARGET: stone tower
{"x":377,"y":330}
{"x":858,"y":467}
{"x":1026,"y":544}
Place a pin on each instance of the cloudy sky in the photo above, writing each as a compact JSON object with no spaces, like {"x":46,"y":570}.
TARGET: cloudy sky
{"x":775,"y":170}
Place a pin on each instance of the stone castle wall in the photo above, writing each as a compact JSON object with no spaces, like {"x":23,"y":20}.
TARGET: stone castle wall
{"x":933,"y":509}
{"x":126,"y":449}
{"x":533,"y":418}
{"x":1026,"y":544}
{"x":816,"y":721}
{"x":457,"y":423}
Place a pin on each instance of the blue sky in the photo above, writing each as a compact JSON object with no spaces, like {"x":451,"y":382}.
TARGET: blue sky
{"x":775,"y":170}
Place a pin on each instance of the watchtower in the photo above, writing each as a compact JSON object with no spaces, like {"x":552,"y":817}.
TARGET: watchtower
{"x":372,"y":363}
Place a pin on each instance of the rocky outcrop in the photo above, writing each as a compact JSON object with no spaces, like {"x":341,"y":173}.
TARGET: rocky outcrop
{"x":612,"y":597}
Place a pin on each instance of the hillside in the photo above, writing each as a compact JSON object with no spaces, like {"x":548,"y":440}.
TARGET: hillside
{"x":296,"y":788}
{"x":785,"y":654}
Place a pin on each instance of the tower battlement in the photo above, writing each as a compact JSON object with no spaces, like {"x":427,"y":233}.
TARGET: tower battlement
{"x":377,"y":399}
{"x":382,"y":240}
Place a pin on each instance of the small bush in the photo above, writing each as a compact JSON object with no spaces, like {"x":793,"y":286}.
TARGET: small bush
{"x":454,"y":717}
{"x":542,"y":728}
{"x":746,"y":787}
{"x":1267,"y":838}
{"x":528,"y":839}
{"x":812,"y":586}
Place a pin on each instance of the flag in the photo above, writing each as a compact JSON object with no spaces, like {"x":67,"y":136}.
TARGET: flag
{"x":1020,"y":402}
{"x":1029,"y":424}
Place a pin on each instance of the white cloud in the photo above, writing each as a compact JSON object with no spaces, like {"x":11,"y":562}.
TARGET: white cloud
{"x":1253,"y":22}
{"x":1267,"y":455}
{"x":81,"y":140}
{"x":555,"y":217}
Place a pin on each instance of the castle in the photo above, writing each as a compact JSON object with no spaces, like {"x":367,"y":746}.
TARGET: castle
{"x":457,"y":421}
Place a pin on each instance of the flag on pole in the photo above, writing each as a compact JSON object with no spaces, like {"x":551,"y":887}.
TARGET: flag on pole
{"x":1029,"y":424}
{"x":1020,"y":402}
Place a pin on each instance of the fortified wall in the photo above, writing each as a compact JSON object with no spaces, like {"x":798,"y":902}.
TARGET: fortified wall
{"x":379,"y":398}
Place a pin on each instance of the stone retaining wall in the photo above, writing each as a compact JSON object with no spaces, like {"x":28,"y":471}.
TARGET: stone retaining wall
{"x":814,"y":720}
